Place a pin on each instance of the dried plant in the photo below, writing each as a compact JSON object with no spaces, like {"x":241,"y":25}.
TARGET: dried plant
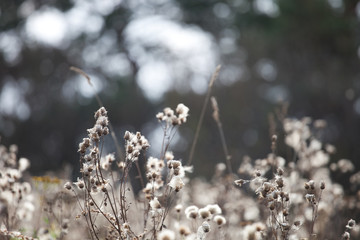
{"x":290,"y":197}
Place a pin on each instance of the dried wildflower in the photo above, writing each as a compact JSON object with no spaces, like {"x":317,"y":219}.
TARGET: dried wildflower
{"x":24,"y":164}
{"x":169,"y":156}
{"x":191,"y":212}
{"x":134,"y":144}
{"x":351,"y":223}
{"x":310,"y":198}
{"x":204,"y":213}
{"x":205,"y":226}
{"x":166,"y":234}
{"x":214,"y":209}
{"x":67,"y":186}
{"x":345,"y":165}
{"x":203,"y":230}
{"x":155,"y":204}
{"x":345,"y":236}
{"x":176,"y":183}
{"x":312,"y":184}
{"x":80,"y":183}
{"x":220,"y":220}
{"x":184,"y":231}
{"x":160,"y":116}
{"x":178,"y":208}
{"x":257,"y":173}
{"x":322,"y":185}
{"x":239,"y":182}
{"x":170,"y":118}
{"x":182,"y":111}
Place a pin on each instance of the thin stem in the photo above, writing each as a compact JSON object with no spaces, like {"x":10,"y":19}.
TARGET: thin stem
{"x":112,"y":132}
{"x":211,"y":83}
{"x":216,"y":116}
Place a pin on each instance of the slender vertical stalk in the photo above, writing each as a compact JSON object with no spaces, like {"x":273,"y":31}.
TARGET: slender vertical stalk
{"x":211,"y":83}
{"x":216,"y":116}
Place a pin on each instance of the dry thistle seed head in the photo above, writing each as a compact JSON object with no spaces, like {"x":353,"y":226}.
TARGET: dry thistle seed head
{"x":274,"y":138}
{"x":307,"y":186}
{"x":214,"y":209}
{"x":80,"y":184}
{"x":351,"y":223}
{"x":168,"y":112}
{"x":169,"y":156}
{"x":239,"y":182}
{"x":206,"y":227}
{"x":285,"y":212}
{"x":287,"y":197}
{"x":130,"y":149}
{"x":204,"y":213}
{"x":322,"y":185}
{"x":176,"y":183}
{"x":191,"y":212}
{"x":121,"y":165}
{"x":220,"y":220}
{"x":184,"y":231}
{"x":272,"y":206}
{"x":286,"y":226}
{"x":266,"y":186}
{"x":297,"y":223}
{"x":106,"y":131}
{"x":155,"y":204}
{"x":310,"y":198}
{"x":178,"y":208}
{"x":345,"y":236}
{"x":280,"y":182}
{"x":67,"y":186}
{"x":160,"y":116}
{"x":280,"y":171}
{"x":166,"y":234}
{"x":257,"y":173}
{"x":312,"y":184}
{"x":127,"y":135}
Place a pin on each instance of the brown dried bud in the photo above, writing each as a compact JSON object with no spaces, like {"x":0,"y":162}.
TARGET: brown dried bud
{"x":272,"y":206}
{"x":322,"y":185}
{"x":127,"y":135}
{"x":280,"y":182}
{"x":285,"y":212}
{"x":130,"y":149}
{"x":67,"y":186}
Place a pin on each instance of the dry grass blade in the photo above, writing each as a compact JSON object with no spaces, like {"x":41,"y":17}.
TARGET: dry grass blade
{"x":81,"y":72}
{"x":211,"y":83}
{"x":216,"y":116}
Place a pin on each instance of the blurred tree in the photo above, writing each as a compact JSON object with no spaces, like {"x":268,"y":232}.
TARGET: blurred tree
{"x":301,"y":52}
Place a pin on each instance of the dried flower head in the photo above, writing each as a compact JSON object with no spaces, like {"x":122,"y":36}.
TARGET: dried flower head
{"x":219,"y":220}
{"x":166,"y":234}
{"x":176,"y":183}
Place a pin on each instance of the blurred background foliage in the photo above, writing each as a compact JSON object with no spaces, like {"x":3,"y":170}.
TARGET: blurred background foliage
{"x":143,"y":56}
